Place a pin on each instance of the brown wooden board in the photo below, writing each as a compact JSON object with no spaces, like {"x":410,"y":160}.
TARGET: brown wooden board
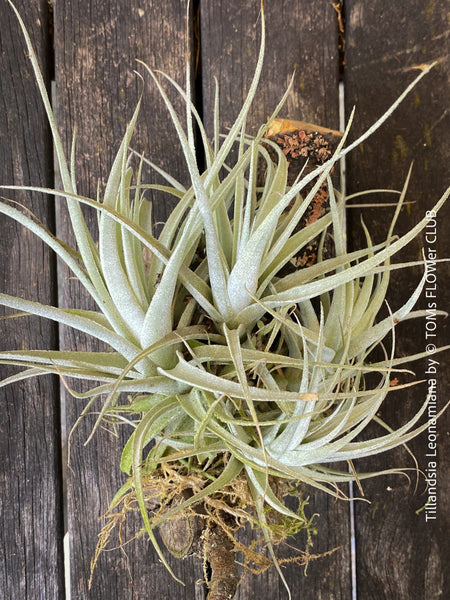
{"x":301,"y":36}
{"x":96,"y":45}
{"x":31,"y":527}
{"x":400,"y":554}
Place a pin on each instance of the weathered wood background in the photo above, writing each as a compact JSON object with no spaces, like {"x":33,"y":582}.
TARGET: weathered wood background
{"x":89,"y":49}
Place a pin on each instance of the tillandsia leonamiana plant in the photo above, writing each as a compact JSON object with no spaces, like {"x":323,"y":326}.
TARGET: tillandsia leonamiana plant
{"x":242,"y":384}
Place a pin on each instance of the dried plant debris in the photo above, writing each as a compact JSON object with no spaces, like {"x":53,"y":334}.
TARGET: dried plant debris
{"x":299,"y":144}
{"x":306,"y":146}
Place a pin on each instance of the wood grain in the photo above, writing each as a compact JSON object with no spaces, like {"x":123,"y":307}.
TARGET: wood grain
{"x":31,"y":528}
{"x":230,"y":42}
{"x":96,"y":48}
{"x":400,"y":554}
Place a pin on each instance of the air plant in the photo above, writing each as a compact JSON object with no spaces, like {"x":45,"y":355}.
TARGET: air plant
{"x":242,"y":383}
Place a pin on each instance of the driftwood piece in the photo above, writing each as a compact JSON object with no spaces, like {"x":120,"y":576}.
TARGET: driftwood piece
{"x":182,"y":535}
{"x":219,"y":554}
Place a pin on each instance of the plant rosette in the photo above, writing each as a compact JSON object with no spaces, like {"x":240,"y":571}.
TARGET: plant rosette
{"x":243,"y":384}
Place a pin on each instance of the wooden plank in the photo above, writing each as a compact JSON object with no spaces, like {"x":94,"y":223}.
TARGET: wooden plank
{"x":300,"y":36}
{"x":96,"y":46}
{"x":31,"y":528}
{"x":400,"y":554}
{"x":229,"y":40}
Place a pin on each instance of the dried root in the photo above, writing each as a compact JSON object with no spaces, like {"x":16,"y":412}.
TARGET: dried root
{"x":209,"y":528}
